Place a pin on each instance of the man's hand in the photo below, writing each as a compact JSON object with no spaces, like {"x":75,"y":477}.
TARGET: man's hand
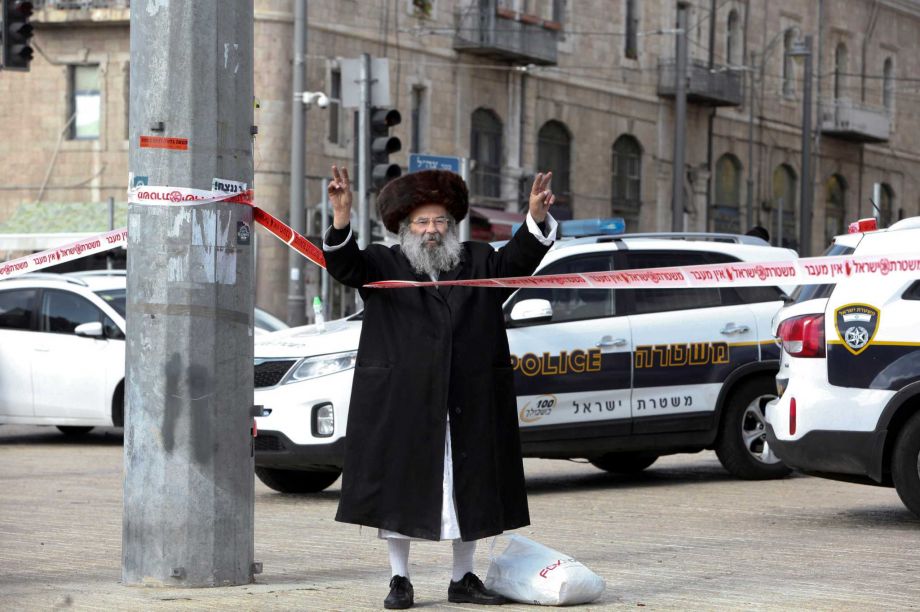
{"x":541,"y":198}
{"x":340,"y":197}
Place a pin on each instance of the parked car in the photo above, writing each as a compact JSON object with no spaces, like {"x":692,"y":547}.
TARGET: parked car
{"x":849,"y":380}
{"x":62,"y":349}
{"x":619,"y":377}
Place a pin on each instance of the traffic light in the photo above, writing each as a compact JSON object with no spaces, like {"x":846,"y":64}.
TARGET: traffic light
{"x":383,"y":145}
{"x":15,"y":33}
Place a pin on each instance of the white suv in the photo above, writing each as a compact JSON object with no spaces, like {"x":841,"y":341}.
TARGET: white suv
{"x":63,"y":350}
{"x":849,"y":382}
{"x":619,"y":377}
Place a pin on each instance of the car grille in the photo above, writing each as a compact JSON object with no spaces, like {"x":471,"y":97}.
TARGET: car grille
{"x":268,"y":442}
{"x":270,"y":373}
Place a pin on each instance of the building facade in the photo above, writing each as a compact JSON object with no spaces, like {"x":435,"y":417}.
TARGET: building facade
{"x":583,"y":88}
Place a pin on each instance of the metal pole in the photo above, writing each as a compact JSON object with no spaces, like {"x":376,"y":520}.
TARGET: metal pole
{"x":680,"y":121}
{"x":188,"y":467}
{"x":750,"y":169}
{"x":465,"y":175}
{"x":108,"y":255}
{"x":806,"y":194}
{"x":779,"y":226}
{"x":364,"y":219}
{"x":324,"y":275}
{"x":296,"y":307}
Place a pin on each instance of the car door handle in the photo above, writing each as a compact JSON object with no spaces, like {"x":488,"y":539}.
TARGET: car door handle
{"x":607,"y":342}
{"x":731,"y":329}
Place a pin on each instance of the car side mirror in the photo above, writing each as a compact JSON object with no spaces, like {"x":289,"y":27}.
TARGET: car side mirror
{"x":89,"y":330}
{"x":532,"y":311}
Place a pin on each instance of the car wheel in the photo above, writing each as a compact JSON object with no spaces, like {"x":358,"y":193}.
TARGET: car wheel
{"x":293,"y":481}
{"x":624,"y":463}
{"x":742,"y":444}
{"x":74,"y":430}
{"x":905,"y":465}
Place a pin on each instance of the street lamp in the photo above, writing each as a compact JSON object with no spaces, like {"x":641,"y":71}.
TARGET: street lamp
{"x":802,"y":49}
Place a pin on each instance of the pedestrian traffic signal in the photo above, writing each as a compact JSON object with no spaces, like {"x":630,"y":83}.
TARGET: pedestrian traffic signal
{"x":15,"y":34}
{"x":383,"y":145}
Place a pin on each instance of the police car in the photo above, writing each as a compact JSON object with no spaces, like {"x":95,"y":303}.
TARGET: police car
{"x":619,"y":377}
{"x":849,"y":381}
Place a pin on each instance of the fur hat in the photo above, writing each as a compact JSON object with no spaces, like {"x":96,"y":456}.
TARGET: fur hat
{"x":401,"y":196}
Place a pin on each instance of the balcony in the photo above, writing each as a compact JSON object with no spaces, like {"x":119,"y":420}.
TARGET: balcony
{"x":844,"y":119}
{"x":72,"y":12}
{"x":718,"y":86}
{"x":489,"y":29}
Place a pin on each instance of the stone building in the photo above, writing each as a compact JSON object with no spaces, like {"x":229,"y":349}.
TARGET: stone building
{"x":585,"y":88}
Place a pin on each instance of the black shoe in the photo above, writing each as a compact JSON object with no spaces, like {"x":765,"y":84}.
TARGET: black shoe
{"x":471,"y":590}
{"x":401,"y":594}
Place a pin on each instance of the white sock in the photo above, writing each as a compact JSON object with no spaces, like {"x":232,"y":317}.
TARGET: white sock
{"x":463,"y":558}
{"x":399,"y":556}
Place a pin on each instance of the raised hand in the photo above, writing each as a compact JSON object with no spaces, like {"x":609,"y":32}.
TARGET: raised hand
{"x":340,"y":197}
{"x":541,"y":198}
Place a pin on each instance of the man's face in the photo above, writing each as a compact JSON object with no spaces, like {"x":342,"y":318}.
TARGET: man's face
{"x":430,"y":220}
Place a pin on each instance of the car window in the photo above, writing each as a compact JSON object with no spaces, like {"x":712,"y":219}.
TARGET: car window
{"x":16,"y":308}
{"x":115,"y":298}
{"x":62,"y":312}
{"x":645,"y":301}
{"x":803,"y":293}
{"x":912,"y":292}
{"x":574,"y":304}
{"x":111,"y":330}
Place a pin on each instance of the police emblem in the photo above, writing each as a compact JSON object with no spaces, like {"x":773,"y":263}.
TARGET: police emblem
{"x":856,"y":326}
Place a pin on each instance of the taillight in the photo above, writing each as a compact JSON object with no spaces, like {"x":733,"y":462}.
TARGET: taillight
{"x":803,"y":336}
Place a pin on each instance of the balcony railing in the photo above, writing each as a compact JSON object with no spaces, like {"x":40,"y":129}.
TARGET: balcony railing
{"x":847,"y":120}
{"x":489,"y":28}
{"x":716,"y":86}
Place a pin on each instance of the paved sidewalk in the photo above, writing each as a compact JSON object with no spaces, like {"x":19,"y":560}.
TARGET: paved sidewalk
{"x":682,"y":536}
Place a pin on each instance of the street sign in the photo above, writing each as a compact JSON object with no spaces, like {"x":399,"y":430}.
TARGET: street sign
{"x":421,"y":161}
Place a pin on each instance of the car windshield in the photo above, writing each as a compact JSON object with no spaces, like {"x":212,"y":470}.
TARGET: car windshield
{"x":803,"y":293}
{"x":115,"y":298}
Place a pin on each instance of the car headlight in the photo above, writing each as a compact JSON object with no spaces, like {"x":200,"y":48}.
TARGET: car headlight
{"x":321,"y":365}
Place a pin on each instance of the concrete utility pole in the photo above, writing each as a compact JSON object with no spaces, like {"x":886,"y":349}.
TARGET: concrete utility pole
{"x":188,"y":483}
{"x":296,"y":311}
{"x":680,"y":121}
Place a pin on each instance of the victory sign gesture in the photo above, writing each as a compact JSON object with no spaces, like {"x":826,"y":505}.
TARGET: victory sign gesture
{"x":541,"y":197}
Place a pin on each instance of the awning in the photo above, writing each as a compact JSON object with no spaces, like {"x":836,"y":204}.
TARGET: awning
{"x":492,"y":224}
{"x":36,"y":227}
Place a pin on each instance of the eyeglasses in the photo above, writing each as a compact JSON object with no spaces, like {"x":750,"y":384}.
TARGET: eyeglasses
{"x":425,"y":221}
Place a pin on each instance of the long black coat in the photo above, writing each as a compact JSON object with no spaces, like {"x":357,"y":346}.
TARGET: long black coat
{"x":425,"y":352}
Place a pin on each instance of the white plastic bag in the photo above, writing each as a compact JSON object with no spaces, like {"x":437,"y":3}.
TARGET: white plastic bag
{"x":528,"y":572}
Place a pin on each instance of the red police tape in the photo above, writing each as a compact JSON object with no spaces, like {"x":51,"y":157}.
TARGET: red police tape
{"x":164,"y":196}
{"x":811,"y":270}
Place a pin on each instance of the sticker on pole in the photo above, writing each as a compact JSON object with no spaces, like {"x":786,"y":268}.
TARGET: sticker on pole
{"x":228,"y":186}
{"x":164,"y":142}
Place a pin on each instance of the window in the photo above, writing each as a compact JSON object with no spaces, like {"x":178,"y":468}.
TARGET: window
{"x":886,"y":206}
{"x":788,"y":64}
{"x":888,"y":85}
{"x":486,"y":151}
{"x":17,"y":308}
{"x":726,"y":209}
{"x":334,"y":111}
{"x":419,"y":119}
{"x":115,"y":298}
{"x":631,"y":40}
{"x":835,"y":208}
{"x":62,"y":312}
{"x":627,"y":181}
{"x":733,"y":39}
{"x":554,"y":152}
{"x":646,"y":301}
{"x":85,"y":102}
{"x":785,"y":228}
{"x":840,"y":71}
{"x":574,"y":304}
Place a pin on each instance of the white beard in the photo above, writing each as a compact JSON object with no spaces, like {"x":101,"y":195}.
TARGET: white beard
{"x":431,"y":260}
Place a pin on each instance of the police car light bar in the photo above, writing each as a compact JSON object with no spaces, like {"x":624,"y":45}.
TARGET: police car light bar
{"x":863,"y":225}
